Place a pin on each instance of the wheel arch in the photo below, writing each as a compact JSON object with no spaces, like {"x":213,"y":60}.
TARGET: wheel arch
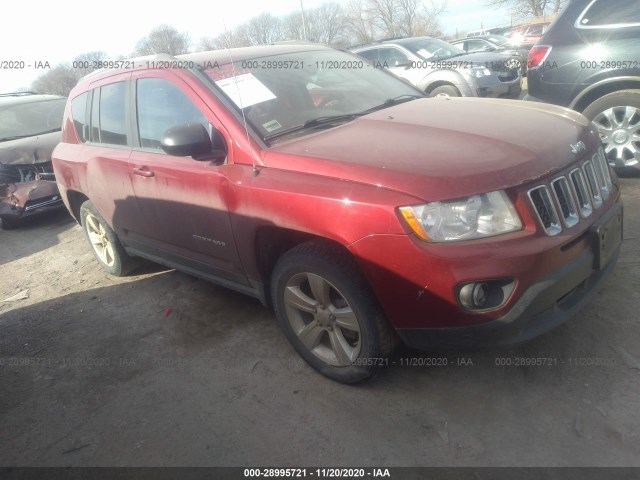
{"x":602,"y":88}
{"x":272,"y":242}
{"x":76,"y":199}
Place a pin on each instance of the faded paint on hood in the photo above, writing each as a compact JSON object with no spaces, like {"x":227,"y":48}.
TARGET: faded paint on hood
{"x":442,"y":147}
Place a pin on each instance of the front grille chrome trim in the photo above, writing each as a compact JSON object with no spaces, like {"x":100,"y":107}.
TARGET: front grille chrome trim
{"x":581,"y":192}
{"x":594,"y":185}
{"x":564,"y":197}
{"x":545,"y":210}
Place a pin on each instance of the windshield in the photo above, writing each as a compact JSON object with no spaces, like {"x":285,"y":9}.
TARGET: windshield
{"x":31,"y":118}
{"x":432,"y":48}
{"x":297,"y":92}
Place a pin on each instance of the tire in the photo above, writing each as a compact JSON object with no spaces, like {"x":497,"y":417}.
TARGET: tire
{"x":449,"y":90}
{"x":104,"y":242}
{"x":617,"y":117}
{"x":7,"y":224}
{"x":350,"y":348}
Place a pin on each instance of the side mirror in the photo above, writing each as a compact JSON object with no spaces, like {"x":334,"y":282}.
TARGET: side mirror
{"x":190,"y":140}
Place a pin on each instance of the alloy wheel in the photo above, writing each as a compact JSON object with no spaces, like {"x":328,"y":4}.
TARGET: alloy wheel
{"x":619,"y":129}
{"x":322,"y":319}
{"x":99,"y":240}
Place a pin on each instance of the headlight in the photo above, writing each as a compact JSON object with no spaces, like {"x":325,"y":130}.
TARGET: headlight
{"x":464,"y":219}
{"x":478,"y":71}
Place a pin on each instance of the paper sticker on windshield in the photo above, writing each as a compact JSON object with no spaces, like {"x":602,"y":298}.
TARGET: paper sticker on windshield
{"x":271,"y":126}
{"x":245,"y":90}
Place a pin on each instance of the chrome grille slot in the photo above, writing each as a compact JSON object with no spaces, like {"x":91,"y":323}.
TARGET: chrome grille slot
{"x":594,"y":186}
{"x":604,"y":166}
{"x":545,"y":210}
{"x":582,"y":194}
{"x":568,"y":210}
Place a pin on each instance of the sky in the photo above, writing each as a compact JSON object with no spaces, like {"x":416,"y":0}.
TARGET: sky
{"x":56,"y":32}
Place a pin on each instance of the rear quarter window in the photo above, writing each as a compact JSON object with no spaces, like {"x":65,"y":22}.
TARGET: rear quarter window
{"x":79,"y":114}
{"x":610,"y":13}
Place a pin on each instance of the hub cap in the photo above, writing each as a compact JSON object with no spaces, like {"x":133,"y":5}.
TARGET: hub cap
{"x":619,"y":129}
{"x":322,"y":319}
{"x":99,"y":240}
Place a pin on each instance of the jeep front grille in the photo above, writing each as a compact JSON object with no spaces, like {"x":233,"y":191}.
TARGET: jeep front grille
{"x":577,"y":195}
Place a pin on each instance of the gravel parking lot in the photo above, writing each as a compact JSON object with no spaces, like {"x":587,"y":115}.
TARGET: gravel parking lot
{"x":160,"y":368}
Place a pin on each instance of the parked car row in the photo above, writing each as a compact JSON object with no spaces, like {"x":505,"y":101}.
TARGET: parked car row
{"x":437,"y":67}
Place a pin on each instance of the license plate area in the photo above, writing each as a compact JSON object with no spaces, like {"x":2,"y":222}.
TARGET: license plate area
{"x":606,"y":237}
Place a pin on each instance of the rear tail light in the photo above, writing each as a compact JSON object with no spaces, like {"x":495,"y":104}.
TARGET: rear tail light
{"x":537,"y":55}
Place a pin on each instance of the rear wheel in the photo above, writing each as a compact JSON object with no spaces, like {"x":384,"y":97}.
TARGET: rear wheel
{"x":329,"y":313}
{"x":617,"y":117}
{"x":104,"y":242}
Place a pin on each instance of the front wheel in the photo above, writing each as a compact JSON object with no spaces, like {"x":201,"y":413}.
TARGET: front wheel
{"x":329,"y":313}
{"x":104,"y":242}
{"x":448,"y":90}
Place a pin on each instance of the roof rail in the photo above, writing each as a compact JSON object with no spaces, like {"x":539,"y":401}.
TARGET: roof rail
{"x":153,"y":57}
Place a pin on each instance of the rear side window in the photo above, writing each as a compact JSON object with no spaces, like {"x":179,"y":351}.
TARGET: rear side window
{"x":79,"y":113}
{"x":610,"y":13}
{"x":113,"y":127}
{"x":162,"y":105}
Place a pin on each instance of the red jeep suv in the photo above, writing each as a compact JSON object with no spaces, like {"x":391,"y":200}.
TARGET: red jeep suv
{"x":362,"y":211}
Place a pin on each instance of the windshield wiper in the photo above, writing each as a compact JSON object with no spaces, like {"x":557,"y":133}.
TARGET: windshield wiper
{"x":314,"y":122}
{"x":328,"y":119}
{"x":407,"y":97}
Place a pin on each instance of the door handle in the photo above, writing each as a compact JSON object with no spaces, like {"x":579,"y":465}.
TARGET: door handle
{"x":143,"y":171}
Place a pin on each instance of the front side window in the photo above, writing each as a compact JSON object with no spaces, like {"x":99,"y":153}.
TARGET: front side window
{"x":610,"y":13}
{"x":162,"y":105}
{"x":113,"y":127}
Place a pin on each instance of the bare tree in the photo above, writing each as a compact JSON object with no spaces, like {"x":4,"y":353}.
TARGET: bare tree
{"x":262,"y":29}
{"x":163,"y":39}
{"x":529,"y":8}
{"x":57,"y":81}
{"x":86,"y":63}
{"x":227,"y":39}
{"x":385,"y":14}
{"x":359,"y":21}
{"x":324,"y":24}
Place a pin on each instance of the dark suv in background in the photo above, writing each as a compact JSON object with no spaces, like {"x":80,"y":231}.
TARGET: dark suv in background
{"x":589,"y":60}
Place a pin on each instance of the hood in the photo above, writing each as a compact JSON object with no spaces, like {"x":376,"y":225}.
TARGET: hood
{"x":30,"y":150}
{"x":443,"y":148}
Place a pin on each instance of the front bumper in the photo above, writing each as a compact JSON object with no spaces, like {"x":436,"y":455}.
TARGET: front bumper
{"x":491,"y":87}
{"x":544,"y":306}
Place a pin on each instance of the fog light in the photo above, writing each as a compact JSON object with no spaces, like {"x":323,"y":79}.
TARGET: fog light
{"x":477,"y":296}
{"x":474,"y":295}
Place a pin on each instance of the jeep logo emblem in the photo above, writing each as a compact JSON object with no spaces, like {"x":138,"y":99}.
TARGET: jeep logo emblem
{"x":578,"y":147}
